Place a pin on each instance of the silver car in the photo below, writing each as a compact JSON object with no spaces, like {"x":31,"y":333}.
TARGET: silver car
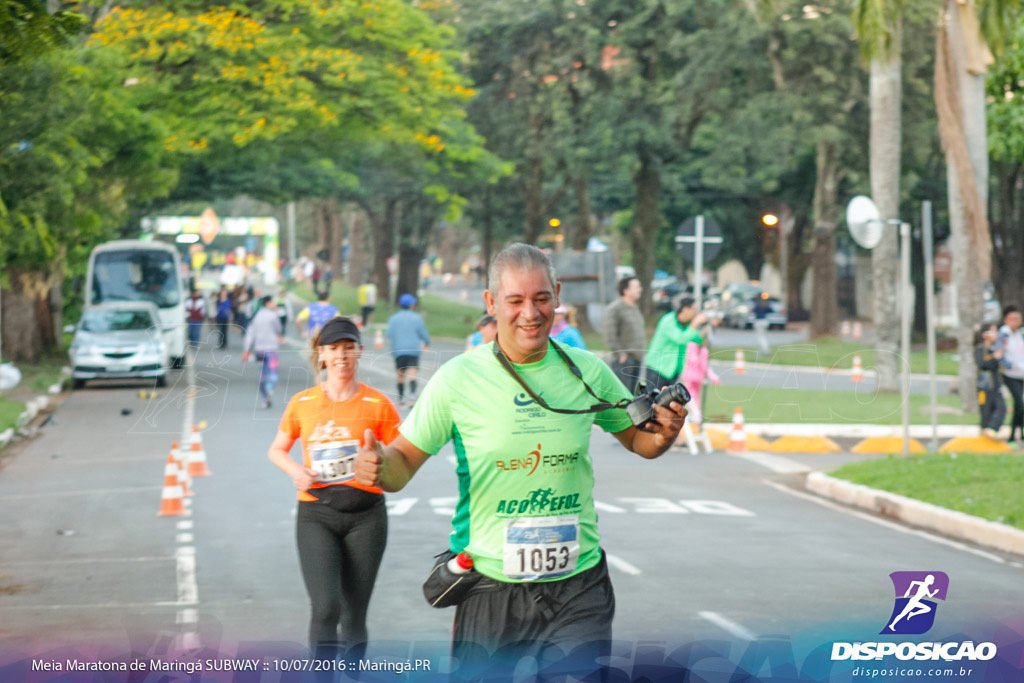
{"x":742,"y":314}
{"x":119,"y":340}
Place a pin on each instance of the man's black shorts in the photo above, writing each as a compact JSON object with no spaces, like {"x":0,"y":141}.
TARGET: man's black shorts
{"x":406,"y":362}
{"x":543,"y":619}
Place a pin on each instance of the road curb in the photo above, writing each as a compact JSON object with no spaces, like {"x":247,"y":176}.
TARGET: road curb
{"x":33,"y":407}
{"x":914,"y":512}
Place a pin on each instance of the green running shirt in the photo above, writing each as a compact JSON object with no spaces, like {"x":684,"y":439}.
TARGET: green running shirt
{"x":525,"y":508}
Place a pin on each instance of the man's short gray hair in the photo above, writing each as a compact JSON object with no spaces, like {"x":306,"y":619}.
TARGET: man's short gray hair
{"x":521,"y":257}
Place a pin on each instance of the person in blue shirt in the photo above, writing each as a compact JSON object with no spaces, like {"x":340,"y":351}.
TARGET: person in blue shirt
{"x":564,"y":329}
{"x":224,"y":306}
{"x":486,"y":330}
{"x":408,"y":336}
{"x":314,"y":316}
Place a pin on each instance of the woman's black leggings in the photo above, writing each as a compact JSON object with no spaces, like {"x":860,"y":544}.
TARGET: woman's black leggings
{"x":340,"y":553}
{"x":1016,"y":387}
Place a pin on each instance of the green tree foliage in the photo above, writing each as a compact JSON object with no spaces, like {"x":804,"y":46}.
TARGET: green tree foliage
{"x":28,"y":30}
{"x":312,"y":72}
{"x":74,"y":156}
{"x":1006,"y":149}
{"x":306,"y":99}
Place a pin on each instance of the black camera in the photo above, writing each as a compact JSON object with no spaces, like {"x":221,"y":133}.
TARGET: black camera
{"x":641,"y":408}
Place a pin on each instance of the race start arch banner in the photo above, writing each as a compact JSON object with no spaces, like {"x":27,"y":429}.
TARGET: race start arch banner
{"x":233,"y":246}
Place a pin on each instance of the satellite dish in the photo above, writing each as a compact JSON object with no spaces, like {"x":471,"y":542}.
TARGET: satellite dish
{"x":864,"y":221}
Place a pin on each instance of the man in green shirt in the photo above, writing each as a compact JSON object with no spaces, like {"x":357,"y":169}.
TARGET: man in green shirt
{"x":667,"y":352}
{"x":525,"y":511}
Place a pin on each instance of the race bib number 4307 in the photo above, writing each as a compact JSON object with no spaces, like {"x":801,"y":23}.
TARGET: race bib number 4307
{"x":541,"y":547}
{"x":334,"y":461}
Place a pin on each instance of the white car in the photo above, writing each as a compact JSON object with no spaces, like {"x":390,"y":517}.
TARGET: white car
{"x":119,"y":340}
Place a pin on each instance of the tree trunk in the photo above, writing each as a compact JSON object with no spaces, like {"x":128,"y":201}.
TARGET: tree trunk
{"x":533,"y":205}
{"x":885,"y":190}
{"x":414,"y":230}
{"x":646,"y":218}
{"x":383,"y":247}
{"x":335,"y":237}
{"x":28,"y":321}
{"x":1006,"y":222}
{"x":584,"y":228}
{"x":961,"y":104}
{"x":323,"y":230}
{"x":358,"y":261}
{"x":825,"y":305}
{"x":488,"y":236}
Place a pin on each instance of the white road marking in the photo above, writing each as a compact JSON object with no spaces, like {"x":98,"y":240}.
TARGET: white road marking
{"x":715,"y":507}
{"x":728,"y":625}
{"x":187,"y":616}
{"x":621,"y":564}
{"x":188,"y":588}
{"x":88,"y":492}
{"x":639,"y":505}
{"x":87,"y":560}
{"x":444,"y":506}
{"x":98,"y":605}
{"x":775,"y":463}
{"x":400,"y":506}
{"x":606,"y":507}
{"x":653,"y":505}
{"x":185,"y":557}
{"x":887,"y":524}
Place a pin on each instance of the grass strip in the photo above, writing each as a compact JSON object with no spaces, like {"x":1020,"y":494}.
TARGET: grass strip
{"x":444,"y":318}
{"x":986,"y":486}
{"x":836,"y":354}
{"x":771,"y":404}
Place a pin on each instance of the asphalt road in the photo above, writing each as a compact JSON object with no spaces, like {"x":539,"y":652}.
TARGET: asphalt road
{"x":710,"y":548}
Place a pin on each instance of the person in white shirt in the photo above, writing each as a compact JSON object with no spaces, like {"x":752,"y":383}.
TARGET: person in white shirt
{"x":1011,"y":341}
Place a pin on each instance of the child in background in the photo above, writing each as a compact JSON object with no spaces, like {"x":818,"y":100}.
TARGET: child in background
{"x":988,"y":356}
{"x":696,"y":368}
{"x":564,"y":330}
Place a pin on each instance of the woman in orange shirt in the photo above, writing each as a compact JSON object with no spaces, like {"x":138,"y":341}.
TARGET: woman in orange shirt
{"x":341,"y":526}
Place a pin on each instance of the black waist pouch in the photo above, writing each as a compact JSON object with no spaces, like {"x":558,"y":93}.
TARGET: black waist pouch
{"x":443,"y":587}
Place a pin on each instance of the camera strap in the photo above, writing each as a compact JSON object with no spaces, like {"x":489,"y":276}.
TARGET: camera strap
{"x":598,"y":407}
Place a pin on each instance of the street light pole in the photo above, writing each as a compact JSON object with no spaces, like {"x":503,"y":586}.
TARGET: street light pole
{"x":907,"y":317}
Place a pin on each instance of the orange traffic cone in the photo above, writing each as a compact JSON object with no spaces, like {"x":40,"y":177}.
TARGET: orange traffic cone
{"x":857,"y":330}
{"x":740,"y":366}
{"x":197,"y":456}
{"x":737,"y":438}
{"x":378,"y":340}
{"x":179,"y":461}
{"x":170,"y":499}
{"x":858,"y":372}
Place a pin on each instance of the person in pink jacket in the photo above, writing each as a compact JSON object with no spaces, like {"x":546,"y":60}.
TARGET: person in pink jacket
{"x":697,"y":367}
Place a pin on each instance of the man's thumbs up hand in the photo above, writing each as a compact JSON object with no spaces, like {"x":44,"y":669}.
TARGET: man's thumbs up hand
{"x":369,"y":460}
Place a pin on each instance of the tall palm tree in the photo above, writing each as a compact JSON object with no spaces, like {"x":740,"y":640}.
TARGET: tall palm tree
{"x":962,"y":57}
{"x":878,"y":26}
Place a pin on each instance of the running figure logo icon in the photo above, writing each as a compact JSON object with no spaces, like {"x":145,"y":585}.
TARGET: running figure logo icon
{"x":916,"y":592}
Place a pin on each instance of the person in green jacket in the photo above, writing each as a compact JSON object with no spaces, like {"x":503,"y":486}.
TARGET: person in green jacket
{"x":667,"y":350}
